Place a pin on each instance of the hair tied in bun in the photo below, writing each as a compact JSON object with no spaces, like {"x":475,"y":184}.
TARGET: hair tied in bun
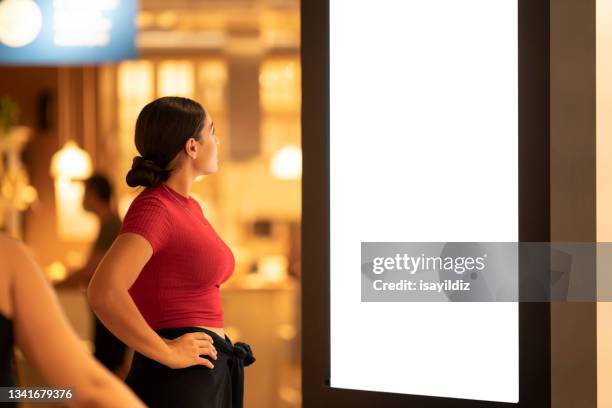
{"x":140,"y":161}
{"x":146,"y":172}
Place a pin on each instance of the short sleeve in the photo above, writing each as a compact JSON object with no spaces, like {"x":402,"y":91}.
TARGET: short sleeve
{"x":148,"y":217}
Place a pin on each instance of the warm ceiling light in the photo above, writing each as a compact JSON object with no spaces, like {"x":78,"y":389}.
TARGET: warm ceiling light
{"x":167,"y":19}
{"x":145,"y":19}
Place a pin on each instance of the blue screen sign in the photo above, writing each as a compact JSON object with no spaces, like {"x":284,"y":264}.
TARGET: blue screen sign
{"x":67,"y":31}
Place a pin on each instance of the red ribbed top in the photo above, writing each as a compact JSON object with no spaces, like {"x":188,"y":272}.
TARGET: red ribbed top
{"x":179,"y":285}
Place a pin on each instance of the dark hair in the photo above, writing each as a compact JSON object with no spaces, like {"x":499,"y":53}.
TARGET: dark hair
{"x":100,"y":185}
{"x":162,"y":128}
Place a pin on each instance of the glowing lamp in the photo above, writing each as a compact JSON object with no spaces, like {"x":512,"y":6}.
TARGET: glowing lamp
{"x":287,"y":163}
{"x":69,"y":166}
{"x":71,"y":162}
{"x":56,"y":271}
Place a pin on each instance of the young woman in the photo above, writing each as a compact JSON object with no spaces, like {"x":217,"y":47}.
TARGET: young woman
{"x":31,"y":318}
{"x":157,"y":288}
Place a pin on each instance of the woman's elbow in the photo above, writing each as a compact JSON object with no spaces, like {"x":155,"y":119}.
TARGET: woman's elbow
{"x":88,"y":394}
{"x":98,"y":295}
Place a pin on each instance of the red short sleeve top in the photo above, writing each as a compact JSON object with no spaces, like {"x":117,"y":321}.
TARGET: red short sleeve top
{"x":179,"y":285}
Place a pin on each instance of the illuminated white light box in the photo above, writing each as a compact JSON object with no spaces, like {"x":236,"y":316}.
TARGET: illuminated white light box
{"x":67,"y":31}
{"x":423,"y":148}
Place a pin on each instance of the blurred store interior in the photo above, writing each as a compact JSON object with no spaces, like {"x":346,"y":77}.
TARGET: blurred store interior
{"x":61,"y":123}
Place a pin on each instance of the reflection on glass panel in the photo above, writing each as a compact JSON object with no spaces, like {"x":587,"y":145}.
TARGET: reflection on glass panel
{"x":212,"y":77}
{"x":135,"y":80}
{"x":175,"y":78}
{"x":279,"y":81}
{"x":135,"y":89}
{"x":279,"y":131}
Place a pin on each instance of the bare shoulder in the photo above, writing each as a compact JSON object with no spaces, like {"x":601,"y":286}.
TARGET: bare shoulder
{"x":7,"y":244}
{"x":5,"y":280}
{"x":10,"y":250}
{"x":13,"y":252}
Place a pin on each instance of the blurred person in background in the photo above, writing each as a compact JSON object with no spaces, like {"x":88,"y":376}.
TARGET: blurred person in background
{"x":97,"y":199}
{"x":31,"y":319}
{"x":157,"y":288}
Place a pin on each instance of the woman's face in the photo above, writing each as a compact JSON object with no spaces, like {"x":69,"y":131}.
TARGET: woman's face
{"x":206,"y":161}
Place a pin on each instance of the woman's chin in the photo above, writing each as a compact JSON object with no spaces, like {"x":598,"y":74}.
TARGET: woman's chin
{"x":211,"y":170}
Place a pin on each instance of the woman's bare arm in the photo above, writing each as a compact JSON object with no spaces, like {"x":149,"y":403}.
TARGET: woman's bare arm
{"x":49,"y":343}
{"x":112,"y":303}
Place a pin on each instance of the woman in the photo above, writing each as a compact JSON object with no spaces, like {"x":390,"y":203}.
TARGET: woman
{"x":31,"y":318}
{"x":157,"y":288}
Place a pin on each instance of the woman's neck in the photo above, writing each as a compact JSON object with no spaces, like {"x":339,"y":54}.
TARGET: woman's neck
{"x":180,"y":181}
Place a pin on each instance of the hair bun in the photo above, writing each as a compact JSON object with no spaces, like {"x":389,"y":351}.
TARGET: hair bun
{"x":145,"y":172}
{"x":140,"y":161}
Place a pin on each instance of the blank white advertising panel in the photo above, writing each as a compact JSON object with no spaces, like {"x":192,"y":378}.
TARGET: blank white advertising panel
{"x":423,"y":148}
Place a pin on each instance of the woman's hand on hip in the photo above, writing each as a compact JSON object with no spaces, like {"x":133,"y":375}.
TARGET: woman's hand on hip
{"x":185,"y":350}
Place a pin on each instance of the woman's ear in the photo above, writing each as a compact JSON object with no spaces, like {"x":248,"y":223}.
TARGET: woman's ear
{"x":190,"y":148}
